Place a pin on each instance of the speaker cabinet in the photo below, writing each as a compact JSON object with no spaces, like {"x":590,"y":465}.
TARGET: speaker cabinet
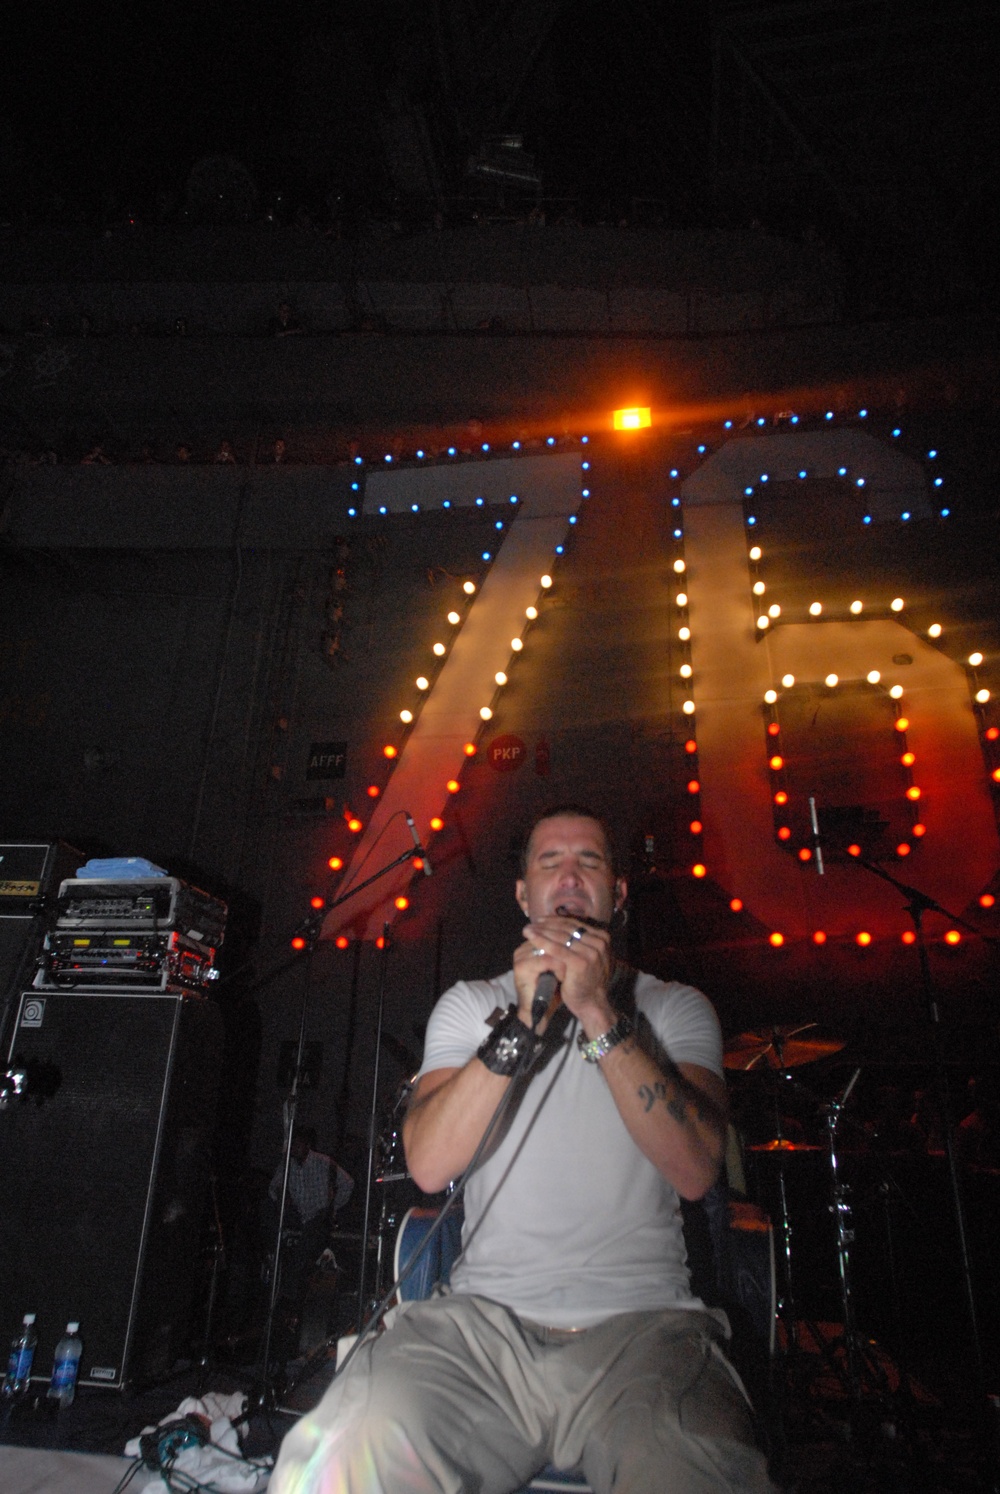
{"x":104,"y":1169}
{"x":30,"y":874}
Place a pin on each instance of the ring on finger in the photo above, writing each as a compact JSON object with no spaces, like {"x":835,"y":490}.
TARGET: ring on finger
{"x":538,"y":951}
{"x":578,"y":933}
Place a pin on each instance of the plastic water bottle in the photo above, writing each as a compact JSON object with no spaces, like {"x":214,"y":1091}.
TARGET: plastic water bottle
{"x":66,"y":1366}
{"x":22,"y":1353}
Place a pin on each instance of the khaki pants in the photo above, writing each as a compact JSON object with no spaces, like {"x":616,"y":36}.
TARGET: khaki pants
{"x":461,"y":1397}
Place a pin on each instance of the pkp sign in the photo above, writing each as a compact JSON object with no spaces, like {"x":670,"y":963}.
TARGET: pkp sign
{"x":505,"y":753}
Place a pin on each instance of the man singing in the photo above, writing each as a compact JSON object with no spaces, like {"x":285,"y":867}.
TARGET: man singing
{"x":570,"y":1334}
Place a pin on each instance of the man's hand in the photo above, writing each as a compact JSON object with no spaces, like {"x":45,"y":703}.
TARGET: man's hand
{"x":580,"y":959}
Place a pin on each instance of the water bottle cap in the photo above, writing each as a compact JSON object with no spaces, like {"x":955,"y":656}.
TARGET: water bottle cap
{"x":29,"y":1317}
{"x":72,"y":1328}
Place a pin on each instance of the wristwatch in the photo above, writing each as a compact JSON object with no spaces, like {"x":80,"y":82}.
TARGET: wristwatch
{"x":600,"y":1046}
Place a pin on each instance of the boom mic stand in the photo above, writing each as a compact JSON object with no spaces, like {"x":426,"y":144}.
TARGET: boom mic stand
{"x":264,"y":1395}
{"x":918,"y":903}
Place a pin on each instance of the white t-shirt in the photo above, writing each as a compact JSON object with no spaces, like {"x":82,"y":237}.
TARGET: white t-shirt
{"x":567,"y":1222}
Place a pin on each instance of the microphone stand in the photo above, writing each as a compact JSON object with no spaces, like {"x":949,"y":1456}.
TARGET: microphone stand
{"x":264,"y":1394}
{"x":918,"y":903}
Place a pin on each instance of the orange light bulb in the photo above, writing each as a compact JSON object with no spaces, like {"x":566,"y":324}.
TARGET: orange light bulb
{"x":373,"y":791}
{"x":736,"y":903}
{"x":298,"y":942}
{"x":437,"y":823}
{"x":453,"y":785}
{"x":854,"y":850}
{"x":690,"y":745}
{"x":354,"y":825}
{"x":402,"y":903}
{"x":908,"y":937}
{"x":317,"y":902}
{"x":694,"y":786}
{"x":341,"y":941}
{"x":784,"y":833}
{"x":696,"y":827}
{"x":390,"y":751}
{"x":335,"y":863}
{"x":987,"y":900}
{"x":777,"y":762}
{"x":953,"y":937}
{"x":819,"y":937}
{"x":698,"y":870}
{"x":901,"y":723}
{"x":805,"y":854}
{"x":776,"y":939}
{"x":781,"y":797}
{"x":864,"y":939}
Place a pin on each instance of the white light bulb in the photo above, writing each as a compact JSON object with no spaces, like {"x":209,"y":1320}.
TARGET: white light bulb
{"x":439,"y":649}
{"x":468,"y":587}
{"x":500,"y":677}
{"x":759,"y":588}
{"x":422,"y":682}
{"x":975,"y":660}
{"x":755,"y":553}
{"x":531,"y":613}
{"x":788,"y":680}
{"x":774,"y":610}
{"x":485,"y":713}
{"x":873,"y":676}
{"x":857,"y":607}
{"x":682,"y":599}
{"x":815,"y":608}
{"x":934,"y":631}
{"x":686,"y":671}
{"x":831,"y":680}
{"x":680,"y":567}
{"x":688,"y":708}
{"x":454,"y":618}
{"x":684,"y":634}
{"x":770,"y":696}
{"x":982,"y":696}
{"x":896,"y":692}
{"x":545,"y":582}
{"x":897,"y":604}
{"x":517,"y":644}
{"x":406,"y":716}
{"x":763,"y":622}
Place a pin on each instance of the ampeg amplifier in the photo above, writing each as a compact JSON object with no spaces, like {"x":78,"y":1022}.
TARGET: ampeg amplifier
{"x":106,"y":958}
{"x":151,"y":904}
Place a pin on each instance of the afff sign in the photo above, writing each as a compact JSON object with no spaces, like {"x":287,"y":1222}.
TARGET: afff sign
{"x":327,"y":760}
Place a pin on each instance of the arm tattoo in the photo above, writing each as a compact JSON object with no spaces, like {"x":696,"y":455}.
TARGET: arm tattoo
{"x":677,"y":1104}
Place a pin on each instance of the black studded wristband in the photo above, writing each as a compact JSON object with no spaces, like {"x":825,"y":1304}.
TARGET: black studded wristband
{"x":507,"y":1045}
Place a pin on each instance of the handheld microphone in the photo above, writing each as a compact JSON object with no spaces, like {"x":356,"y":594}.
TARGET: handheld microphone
{"x":428,"y":869}
{"x":546,"y":987}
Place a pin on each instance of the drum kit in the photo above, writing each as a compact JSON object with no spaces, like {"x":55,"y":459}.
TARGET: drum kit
{"x":776,"y":1051}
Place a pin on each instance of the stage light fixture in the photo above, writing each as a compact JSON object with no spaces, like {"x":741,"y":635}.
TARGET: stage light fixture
{"x":634,"y":419}
{"x":864,"y":938}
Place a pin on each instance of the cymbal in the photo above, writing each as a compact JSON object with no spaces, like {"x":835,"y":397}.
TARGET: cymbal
{"x":780,"y":1144}
{"x":778,"y":1047}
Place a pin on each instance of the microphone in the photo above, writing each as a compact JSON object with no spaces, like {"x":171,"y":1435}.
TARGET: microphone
{"x":428,"y":869}
{"x":546,"y":988}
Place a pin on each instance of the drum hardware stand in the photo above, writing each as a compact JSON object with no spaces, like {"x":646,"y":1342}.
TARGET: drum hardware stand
{"x":264,"y":1395}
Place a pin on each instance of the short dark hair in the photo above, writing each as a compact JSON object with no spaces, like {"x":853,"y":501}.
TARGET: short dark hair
{"x":569,"y":811}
